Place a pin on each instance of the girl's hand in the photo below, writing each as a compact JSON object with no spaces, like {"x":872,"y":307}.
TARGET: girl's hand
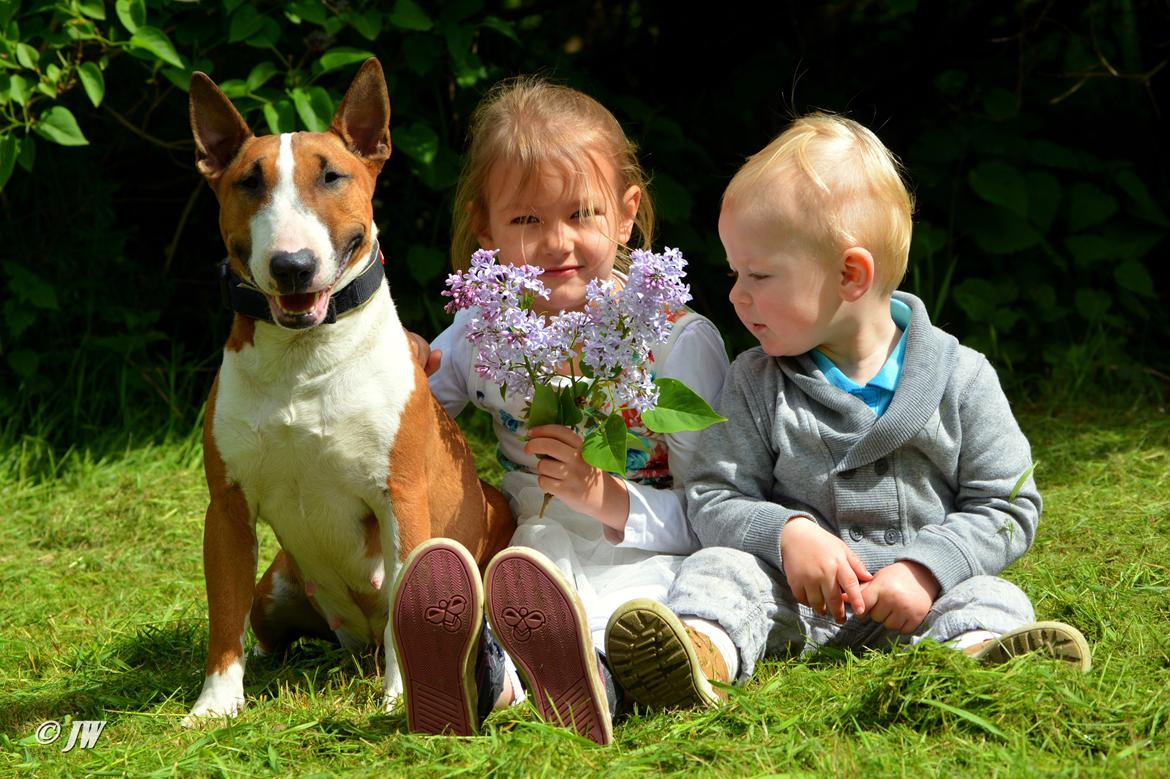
{"x":822,"y":571}
{"x":563,"y":473}
{"x":900,"y":595}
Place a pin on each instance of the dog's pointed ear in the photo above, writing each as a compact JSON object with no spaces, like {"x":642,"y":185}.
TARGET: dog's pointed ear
{"x":362,"y":120}
{"x":218,"y":128}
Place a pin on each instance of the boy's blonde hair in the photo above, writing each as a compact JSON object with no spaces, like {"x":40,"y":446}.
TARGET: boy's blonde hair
{"x":833,"y":180}
{"x":532,"y":124}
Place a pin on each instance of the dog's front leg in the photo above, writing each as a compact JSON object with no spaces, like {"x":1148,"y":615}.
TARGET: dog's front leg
{"x":229,"y":567}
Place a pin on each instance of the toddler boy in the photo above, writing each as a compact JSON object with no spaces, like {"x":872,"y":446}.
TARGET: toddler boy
{"x":871,"y":481}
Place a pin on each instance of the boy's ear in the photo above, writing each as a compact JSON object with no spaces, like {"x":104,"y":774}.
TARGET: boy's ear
{"x":857,"y":273}
{"x":629,"y":212}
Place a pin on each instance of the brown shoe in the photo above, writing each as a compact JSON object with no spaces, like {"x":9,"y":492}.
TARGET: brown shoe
{"x":659,"y":661}
{"x":1054,"y":639}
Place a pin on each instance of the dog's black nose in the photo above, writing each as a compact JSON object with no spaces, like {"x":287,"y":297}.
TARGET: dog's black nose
{"x":293,"y":271}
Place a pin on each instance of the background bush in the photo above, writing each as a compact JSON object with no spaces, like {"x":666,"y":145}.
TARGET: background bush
{"x":1033,"y":134}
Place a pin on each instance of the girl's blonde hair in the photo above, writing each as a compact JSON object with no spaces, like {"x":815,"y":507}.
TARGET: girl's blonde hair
{"x":842,"y":188}
{"x":532,"y":125}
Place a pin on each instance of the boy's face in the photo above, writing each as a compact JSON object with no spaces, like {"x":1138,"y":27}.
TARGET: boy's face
{"x":784,"y":292}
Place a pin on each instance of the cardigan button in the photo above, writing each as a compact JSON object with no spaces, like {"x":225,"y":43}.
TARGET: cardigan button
{"x":881,"y":467}
{"x":849,"y":474}
{"x":856,"y":533}
{"x":892,"y":536}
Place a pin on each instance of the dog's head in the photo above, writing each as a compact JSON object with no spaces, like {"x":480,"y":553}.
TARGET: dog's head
{"x":295,"y":209}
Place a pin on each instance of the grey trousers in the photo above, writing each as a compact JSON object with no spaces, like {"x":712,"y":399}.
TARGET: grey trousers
{"x":751,"y":601}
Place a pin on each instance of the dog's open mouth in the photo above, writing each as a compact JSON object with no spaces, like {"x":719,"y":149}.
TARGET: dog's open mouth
{"x":304,"y":309}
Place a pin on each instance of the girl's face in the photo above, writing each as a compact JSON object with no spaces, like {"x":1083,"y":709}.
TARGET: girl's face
{"x":559,"y":224}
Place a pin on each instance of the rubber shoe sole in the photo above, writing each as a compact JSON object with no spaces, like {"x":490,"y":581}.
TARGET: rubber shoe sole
{"x":537,"y":616}
{"x":653,"y":658}
{"x":1053,"y":639}
{"x":437,"y":619}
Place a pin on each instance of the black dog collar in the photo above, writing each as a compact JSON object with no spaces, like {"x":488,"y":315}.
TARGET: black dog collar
{"x":244,"y":299}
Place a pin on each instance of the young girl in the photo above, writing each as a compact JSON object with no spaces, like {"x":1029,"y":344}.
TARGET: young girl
{"x":549,"y":180}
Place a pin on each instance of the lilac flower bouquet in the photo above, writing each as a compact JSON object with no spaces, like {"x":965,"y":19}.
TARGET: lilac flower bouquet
{"x":582,"y":368}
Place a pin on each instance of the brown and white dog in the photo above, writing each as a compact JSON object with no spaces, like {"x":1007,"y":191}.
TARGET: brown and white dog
{"x":320,"y":421}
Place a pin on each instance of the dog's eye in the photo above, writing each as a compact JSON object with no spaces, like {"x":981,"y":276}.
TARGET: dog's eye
{"x":331,"y":177}
{"x":251,"y":183}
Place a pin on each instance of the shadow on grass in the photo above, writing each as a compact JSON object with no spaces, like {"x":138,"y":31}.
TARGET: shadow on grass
{"x":165,"y":663}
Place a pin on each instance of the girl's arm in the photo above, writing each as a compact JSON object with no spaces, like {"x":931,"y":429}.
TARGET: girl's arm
{"x":657,"y":518}
{"x":449,"y":381}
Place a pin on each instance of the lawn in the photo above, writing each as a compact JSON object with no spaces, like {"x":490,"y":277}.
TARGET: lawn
{"x":103,"y":618}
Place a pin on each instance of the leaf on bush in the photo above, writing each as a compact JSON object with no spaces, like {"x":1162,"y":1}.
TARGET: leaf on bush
{"x":245,"y":22}
{"x":1132,"y":275}
{"x":1000,"y":184}
{"x":260,"y":75}
{"x":977,"y":298}
{"x":24,"y":363}
{"x":131,"y":13}
{"x":29,"y":287}
{"x":570,"y":413}
{"x":280,"y":116}
{"x":1044,"y":195}
{"x":1054,"y":155}
{"x":679,"y":408}
{"x":605,"y":446}
{"x":92,"y":81}
{"x":58,"y":125}
{"x":421,"y":52}
{"x":999,"y":231}
{"x":340,"y":56}
{"x":266,"y":37}
{"x":507,"y":29}
{"x":1089,"y":206}
{"x":368,"y":24}
{"x":425,"y":263}
{"x":315,"y":108}
{"x":1092,"y":303}
{"x":407,"y":15}
{"x":419,"y":142}
{"x":671,"y":199}
{"x":157,"y":43}
{"x":94,"y":9}
{"x":1146,"y":207}
{"x":27,"y":56}
{"x":9,"y":149}
{"x":1001,"y":104}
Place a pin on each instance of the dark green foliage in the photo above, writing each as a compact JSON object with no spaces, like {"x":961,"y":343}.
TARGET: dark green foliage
{"x":1032,"y":134}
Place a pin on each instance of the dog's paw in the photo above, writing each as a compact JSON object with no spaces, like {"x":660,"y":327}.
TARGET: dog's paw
{"x":391,"y":695}
{"x":222,"y":696}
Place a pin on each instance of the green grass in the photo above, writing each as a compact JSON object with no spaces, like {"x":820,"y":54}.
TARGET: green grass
{"x":103,"y":617}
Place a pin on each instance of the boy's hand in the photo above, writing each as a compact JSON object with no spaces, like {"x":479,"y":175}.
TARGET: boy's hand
{"x":821,"y":569}
{"x":563,"y":473}
{"x":422,"y":352}
{"x":900,"y":595}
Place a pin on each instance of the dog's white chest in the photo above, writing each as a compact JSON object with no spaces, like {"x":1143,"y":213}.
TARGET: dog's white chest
{"x":305,"y":424}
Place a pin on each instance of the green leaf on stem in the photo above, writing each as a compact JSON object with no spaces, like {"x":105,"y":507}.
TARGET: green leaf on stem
{"x":157,"y":43}
{"x":93,"y":82}
{"x":679,"y":408}
{"x":570,"y":412}
{"x":58,"y":125}
{"x":605,"y":446}
{"x":545,"y":407}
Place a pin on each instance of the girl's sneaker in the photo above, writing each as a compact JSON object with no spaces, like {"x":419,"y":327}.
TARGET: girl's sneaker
{"x":538,"y":617}
{"x":437,"y":619}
